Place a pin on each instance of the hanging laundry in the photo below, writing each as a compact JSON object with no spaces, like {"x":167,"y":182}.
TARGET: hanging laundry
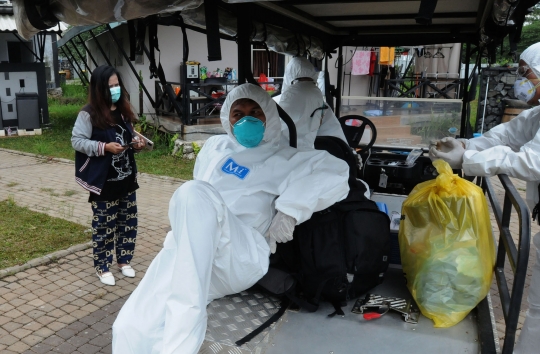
{"x":360,"y":63}
{"x":372,"y":62}
{"x":387,"y":56}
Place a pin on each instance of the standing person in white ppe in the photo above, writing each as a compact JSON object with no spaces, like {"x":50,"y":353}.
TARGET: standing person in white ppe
{"x":249,"y":191}
{"x":299,"y":71}
{"x":512,"y":148}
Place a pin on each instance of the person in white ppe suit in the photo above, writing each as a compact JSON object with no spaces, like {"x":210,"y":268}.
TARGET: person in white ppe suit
{"x":299,"y":71}
{"x":304,"y":103}
{"x":512,"y":148}
{"x":249,"y":191}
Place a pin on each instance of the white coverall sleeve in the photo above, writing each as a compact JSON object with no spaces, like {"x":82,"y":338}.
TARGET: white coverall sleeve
{"x":314,"y":185}
{"x":331,"y":127}
{"x":211,"y":153}
{"x":203,"y":159}
{"x":512,"y":148}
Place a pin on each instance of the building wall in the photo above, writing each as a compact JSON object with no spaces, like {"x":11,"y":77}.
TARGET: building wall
{"x":11,"y":75}
{"x":171,"y":46}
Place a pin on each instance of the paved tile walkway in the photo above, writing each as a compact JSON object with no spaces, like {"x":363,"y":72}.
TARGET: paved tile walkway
{"x":61,"y":307}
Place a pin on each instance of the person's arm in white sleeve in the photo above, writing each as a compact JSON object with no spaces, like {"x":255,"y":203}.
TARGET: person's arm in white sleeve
{"x":514,"y":133}
{"x":205,"y":157}
{"x":524,"y":164}
{"x":81,"y":134}
{"x":313,"y":185}
{"x":516,"y":150}
{"x":330,"y":126}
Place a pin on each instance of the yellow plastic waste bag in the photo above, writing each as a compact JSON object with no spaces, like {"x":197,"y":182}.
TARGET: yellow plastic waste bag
{"x":446,"y":246}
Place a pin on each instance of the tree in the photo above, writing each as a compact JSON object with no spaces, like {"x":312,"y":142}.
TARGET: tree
{"x":530,"y":34}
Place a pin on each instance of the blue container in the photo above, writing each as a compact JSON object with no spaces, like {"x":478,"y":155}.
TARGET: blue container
{"x":476,"y":135}
{"x":382,"y":207}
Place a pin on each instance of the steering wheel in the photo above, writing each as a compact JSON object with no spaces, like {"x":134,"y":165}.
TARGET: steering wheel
{"x":354,"y":133}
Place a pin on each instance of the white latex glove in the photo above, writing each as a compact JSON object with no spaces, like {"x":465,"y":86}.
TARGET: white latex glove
{"x":449,"y":150}
{"x":281,"y":229}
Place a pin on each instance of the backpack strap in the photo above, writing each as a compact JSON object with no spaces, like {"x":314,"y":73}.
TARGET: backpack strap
{"x":284,"y":305}
{"x":337,"y":308}
{"x":281,"y":283}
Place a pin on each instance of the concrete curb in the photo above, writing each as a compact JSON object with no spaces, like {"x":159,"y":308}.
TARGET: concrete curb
{"x":59,"y":159}
{"x":51,"y":257}
{"x":76,"y":248}
{"x":43,"y":157}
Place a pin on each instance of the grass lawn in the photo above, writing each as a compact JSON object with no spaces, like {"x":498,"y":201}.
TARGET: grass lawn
{"x":25,"y":234}
{"x":55,"y":140}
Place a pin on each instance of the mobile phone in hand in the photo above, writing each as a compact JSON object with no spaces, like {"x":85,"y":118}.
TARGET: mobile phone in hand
{"x":129,"y":144}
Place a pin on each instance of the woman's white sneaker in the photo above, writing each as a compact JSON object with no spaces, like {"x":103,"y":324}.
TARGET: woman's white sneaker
{"x":128,"y":271}
{"x":106,"y":278}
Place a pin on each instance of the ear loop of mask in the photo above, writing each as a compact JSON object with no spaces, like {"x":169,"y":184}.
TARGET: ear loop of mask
{"x":535,"y":87}
{"x":317,"y":109}
{"x":322,"y":112}
{"x":531,"y":90}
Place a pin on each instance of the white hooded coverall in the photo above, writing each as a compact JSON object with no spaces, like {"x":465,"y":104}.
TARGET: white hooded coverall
{"x":513,"y":148}
{"x":301,"y":67}
{"x":216,"y":246}
{"x":303,"y":102}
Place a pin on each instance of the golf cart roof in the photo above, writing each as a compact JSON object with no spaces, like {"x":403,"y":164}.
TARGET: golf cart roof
{"x":334,"y":23}
{"x":384,"y":22}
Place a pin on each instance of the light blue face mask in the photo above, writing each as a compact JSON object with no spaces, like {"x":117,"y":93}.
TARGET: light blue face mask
{"x":115,"y":93}
{"x":248,"y":131}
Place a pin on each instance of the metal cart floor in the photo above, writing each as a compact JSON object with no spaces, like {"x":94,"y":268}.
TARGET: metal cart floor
{"x":234,"y":316}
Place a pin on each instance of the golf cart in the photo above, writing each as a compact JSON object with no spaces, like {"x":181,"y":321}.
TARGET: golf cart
{"x":318,"y":28}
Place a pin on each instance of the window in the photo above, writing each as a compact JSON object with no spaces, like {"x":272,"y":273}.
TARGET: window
{"x":21,"y":83}
{"x":10,"y":107}
{"x":275,"y":67}
{"x":8,"y":91}
{"x":14,"y":52}
{"x":6,"y":75}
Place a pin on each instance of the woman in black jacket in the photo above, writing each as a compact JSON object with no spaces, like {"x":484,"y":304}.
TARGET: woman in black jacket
{"x":104,"y":141}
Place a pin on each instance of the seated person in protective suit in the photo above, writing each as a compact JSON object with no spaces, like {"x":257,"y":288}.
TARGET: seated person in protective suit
{"x":250,"y":190}
{"x":300,"y":84}
{"x":304,"y":103}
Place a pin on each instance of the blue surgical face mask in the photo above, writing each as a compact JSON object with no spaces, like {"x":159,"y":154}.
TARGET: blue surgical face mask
{"x":115,"y":93}
{"x":248,"y":131}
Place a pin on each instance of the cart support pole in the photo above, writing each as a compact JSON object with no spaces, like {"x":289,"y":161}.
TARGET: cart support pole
{"x":463,"y":131}
{"x":339,"y":80}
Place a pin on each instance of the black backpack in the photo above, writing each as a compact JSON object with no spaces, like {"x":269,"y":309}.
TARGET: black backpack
{"x":340,"y":253}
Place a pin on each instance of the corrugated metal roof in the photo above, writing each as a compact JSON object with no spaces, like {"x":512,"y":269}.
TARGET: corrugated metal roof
{"x":7,"y":24}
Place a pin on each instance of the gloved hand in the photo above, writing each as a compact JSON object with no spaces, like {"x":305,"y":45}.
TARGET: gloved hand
{"x":449,"y":150}
{"x":281,"y":229}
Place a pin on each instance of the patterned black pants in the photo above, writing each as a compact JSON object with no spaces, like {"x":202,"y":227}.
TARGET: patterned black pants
{"x":114,"y":223}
